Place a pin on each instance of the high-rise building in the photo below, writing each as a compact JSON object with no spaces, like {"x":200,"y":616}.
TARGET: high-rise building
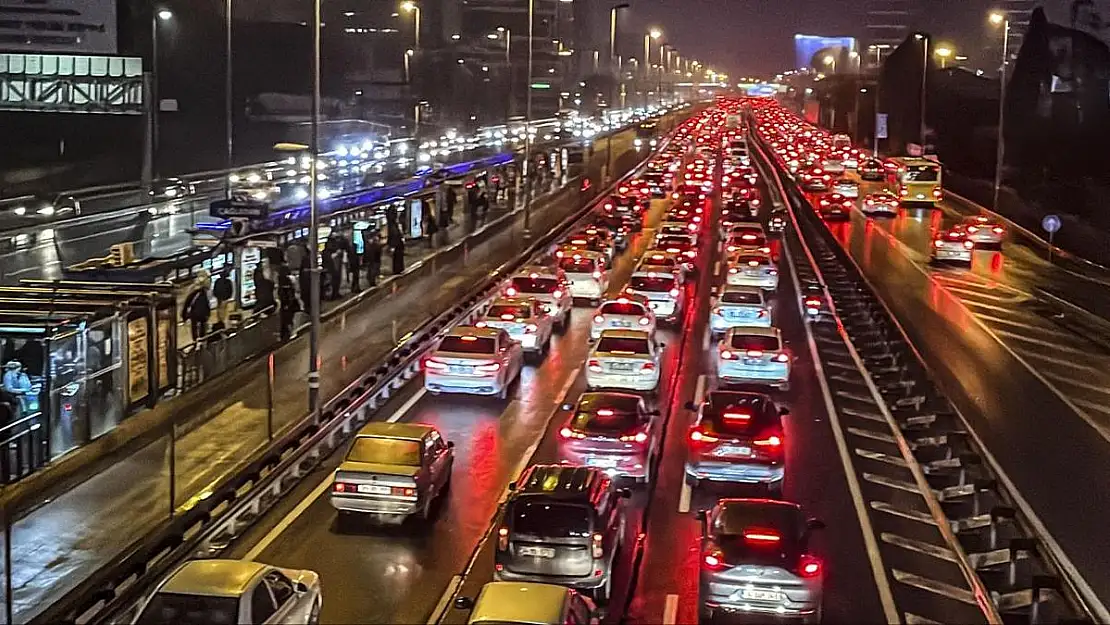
{"x":890,"y":21}
{"x":1018,"y":11}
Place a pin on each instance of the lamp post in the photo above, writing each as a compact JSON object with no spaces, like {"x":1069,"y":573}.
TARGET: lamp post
{"x":314,"y":223}
{"x":228,"y":97}
{"x":943,"y":53}
{"x":158,"y":15}
{"x":1001,"y":19}
{"x":508,"y":35}
{"x":924,"y":73}
{"x":528,"y":124}
{"x":411,"y":7}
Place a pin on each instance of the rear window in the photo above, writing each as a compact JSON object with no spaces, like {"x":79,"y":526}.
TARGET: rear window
{"x":673,"y":241}
{"x":734,"y":521}
{"x":613,"y":345}
{"x":501,"y":311}
{"x":736,"y":413}
{"x":659,"y":260}
{"x":581,"y":265}
{"x":535,"y":285}
{"x":647,"y":283}
{"x":617,"y":308}
{"x":183,"y":609}
{"x":552,"y":520}
{"x":741,"y":297}
{"x":750,"y":237}
{"x":755,"y":342}
{"x":748,"y":259}
{"x":385,"y":451}
{"x":604,"y":421}
{"x":468,"y":344}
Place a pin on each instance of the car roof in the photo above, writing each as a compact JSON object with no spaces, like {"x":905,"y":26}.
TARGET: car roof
{"x":517,"y":602}
{"x":626,"y":334}
{"x":514,"y":301}
{"x":410,"y":431}
{"x":742,"y":288}
{"x":213,"y":578}
{"x":474,"y":331}
{"x":754,"y":331}
{"x":564,"y":482}
{"x":543,"y":270}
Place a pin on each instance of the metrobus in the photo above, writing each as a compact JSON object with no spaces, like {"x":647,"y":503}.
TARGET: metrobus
{"x":917,"y":179}
{"x":841,"y":142}
{"x":645,"y":133}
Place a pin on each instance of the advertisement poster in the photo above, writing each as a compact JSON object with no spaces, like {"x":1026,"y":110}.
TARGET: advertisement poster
{"x":416,"y":218}
{"x":248,"y":260}
{"x":138,"y":355}
{"x":165,"y":327}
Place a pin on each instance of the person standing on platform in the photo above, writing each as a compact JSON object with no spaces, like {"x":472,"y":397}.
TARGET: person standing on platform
{"x":399,"y":257}
{"x":373,"y":258}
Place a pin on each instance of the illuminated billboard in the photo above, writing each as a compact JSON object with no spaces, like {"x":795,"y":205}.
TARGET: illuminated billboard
{"x":806,"y":47}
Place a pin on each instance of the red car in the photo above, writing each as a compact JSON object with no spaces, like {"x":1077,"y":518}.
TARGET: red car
{"x":834,"y":206}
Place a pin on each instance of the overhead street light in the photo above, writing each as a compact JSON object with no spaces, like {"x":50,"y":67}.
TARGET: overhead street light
{"x":943,"y":53}
{"x":411,"y":7}
{"x":1003,"y":20}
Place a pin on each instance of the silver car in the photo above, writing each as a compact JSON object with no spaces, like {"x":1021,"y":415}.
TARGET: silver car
{"x":755,"y":561}
{"x":203,"y":592}
{"x":753,"y":270}
{"x":737,"y":437}
{"x":739,"y":306}
{"x":479,"y":361}
{"x":753,"y":355}
{"x":548,"y":285}
{"x":525,"y":319}
{"x":625,"y":312}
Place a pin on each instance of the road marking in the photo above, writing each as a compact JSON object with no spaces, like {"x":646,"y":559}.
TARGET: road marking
{"x":705,"y":339}
{"x":1020,"y":324}
{"x":670,"y":610}
{"x":1071,"y":381}
{"x":445,"y":599}
{"x":1049,"y":344}
{"x":320,"y":488}
{"x":684,"y":496}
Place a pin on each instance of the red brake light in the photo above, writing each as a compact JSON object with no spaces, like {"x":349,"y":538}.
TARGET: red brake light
{"x":698,"y":435}
{"x":997,"y":229}
{"x":737,"y":416}
{"x":594,"y":366}
{"x":809,"y":566}
{"x":782,"y":358}
{"x":771,"y":441}
{"x":713,"y":560}
{"x":727,"y":355}
{"x":510,"y":291}
{"x":759,"y":535}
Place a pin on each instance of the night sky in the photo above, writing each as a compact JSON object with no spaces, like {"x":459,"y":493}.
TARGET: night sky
{"x":756,"y":36}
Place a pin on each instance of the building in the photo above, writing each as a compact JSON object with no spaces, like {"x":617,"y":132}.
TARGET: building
{"x":888,"y":22}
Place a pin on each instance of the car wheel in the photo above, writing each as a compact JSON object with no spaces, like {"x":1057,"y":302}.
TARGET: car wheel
{"x":314,"y":614}
{"x":774,"y":489}
{"x":815,"y":617}
{"x":602,"y":594}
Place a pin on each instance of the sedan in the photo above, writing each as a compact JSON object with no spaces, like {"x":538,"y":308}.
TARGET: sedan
{"x":626,"y":312}
{"x":480,"y":361}
{"x":755,"y":561}
{"x":883,"y":203}
{"x":834,"y":206}
{"x":952,"y":246}
{"x":985,"y":231}
{"x":753,"y":270}
{"x":624,"y":359}
{"x":846,"y":187}
{"x":739,"y":306}
{"x":753,"y":355}
{"x":526,"y":321}
{"x":614,"y":432}
{"x":737,"y":437}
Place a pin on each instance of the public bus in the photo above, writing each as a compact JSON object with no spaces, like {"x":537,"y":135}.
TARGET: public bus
{"x":917,"y":179}
{"x":645,"y":133}
{"x":841,"y":142}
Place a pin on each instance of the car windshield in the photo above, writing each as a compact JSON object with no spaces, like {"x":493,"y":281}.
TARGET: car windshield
{"x":757,"y":342}
{"x":579,"y":265}
{"x":381,"y":450}
{"x":468,"y":344}
{"x":741,"y":297}
{"x":184,"y":609}
{"x":921,"y":173}
{"x":551,"y":520}
{"x":627,"y":345}
{"x":618,"y":308}
{"x":535,"y":285}
{"x":656,"y":284}
{"x":509,"y":311}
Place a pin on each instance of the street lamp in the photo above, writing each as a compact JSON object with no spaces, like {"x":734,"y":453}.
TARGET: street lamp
{"x":924,"y":73}
{"x":411,"y":7}
{"x":1003,"y":20}
{"x":528,"y":123}
{"x":943,"y":53}
{"x":613,"y":31}
{"x":160,"y":15}
{"x":408,"y":63}
{"x":654,"y":33}
{"x":508,"y":35}
{"x":830,"y":60}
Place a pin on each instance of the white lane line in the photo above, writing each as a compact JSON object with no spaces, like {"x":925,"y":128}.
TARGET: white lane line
{"x":1020,"y":324}
{"x":1071,"y":381}
{"x":969,"y":304}
{"x":297,"y":511}
{"x":1065,"y":363}
{"x":1008,"y":299}
{"x":670,"y":610}
{"x":445,"y":599}
{"x":705,"y":338}
{"x":687,"y":493}
{"x":1027,"y":339}
{"x":1103,"y":408}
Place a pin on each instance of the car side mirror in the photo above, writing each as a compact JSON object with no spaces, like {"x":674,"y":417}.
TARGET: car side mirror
{"x":464,"y":603}
{"x":450,"y":444}
{"x":691,"y":406}
{"x":300,"y":587}
{"x":512,"y":486}
{"x":815,"y":524}
{"x":625,"y":493}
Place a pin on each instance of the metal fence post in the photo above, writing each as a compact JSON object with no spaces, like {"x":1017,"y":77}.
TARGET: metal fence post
{"x":8,"y":607}
{"x":173,"y":468}
{"x":270,"y":397}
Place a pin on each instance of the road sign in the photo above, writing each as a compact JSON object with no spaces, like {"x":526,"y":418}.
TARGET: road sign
{"x":239,"y":207}
{"x":1051,"y":224}
{"x":880,"y":126}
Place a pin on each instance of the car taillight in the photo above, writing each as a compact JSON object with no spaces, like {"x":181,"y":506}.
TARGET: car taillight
{"x":713,"y":560}
{"x":938,"y":243}
{"x":782,"y":358}
{"x":344,"y":487}
{"x":809,"y":566}
{"x":510,"y":291}
{"x":997,"y":229}
{"x":903,"y":192}
{"x":502,"y":539}
{"x":638,"y":437}
{"x":597,"y":275}
{"x":481,"y":324}
{"x":557,"y":294}
{"x":531,"y":328}
{"x":969,"y":244}
{"x":435,"y":365}
{"x":569,"y":433}
{"x":594,"y":366}
{"x":727,"y":355}
{"x":674,"y":292}
{"x":690,"y":253}
{"x":813,"y":302}
{"x":492,"y":367}
{"x":599,"y":319}
{"x":773,"y":442}
{"x":733,"y":270}
{"x":699,"y":435}
{"x":761,"y":536}
{"x":973,"y":229}
{"x":402,"y":491}
{"x":937,"y":192}
{"x":596,"y":547}
{"x":644,"y":321}
{"x":648,"y":366}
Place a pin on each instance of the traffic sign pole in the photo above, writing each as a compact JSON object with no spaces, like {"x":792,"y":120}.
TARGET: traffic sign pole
{"x":1051,"y":224}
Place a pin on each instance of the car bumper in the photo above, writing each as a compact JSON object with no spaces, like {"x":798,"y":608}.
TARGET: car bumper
{"x":612,"y":465}
{"x":738,"y":472}
{"x":629,"y":382}
{"x":466,"y":385}
{"x":764,"y":282}
{"x":962,"y":256}
{"x":733,"y":373}
{"x":726,"y":604}
{"x":578,"y":583}
{"x":374,"y":505}
{"x":722,"y":324}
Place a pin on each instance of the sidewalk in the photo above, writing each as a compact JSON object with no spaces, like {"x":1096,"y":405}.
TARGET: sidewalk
{"x":57,"y":545}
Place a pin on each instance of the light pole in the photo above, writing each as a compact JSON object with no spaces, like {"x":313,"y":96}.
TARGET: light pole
{"x":1000,"y":19}
{"x":654,"y":33}
{"x":614,"y":63}
{"x":508,"y":35}
{"x":411,"y":7}
{"x":228,"y":97}
{"x":528,"y":124}
{"x":943,"y":53}
{"x":158,"y":15}
{"x":314,"y":224}
{"x":924,"y":73}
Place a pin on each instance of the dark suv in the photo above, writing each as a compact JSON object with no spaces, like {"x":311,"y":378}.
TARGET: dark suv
{"x":562,"y":525}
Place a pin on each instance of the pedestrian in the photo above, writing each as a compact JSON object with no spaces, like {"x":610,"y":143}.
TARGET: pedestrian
{"x":472,"y":203}
{"x":18,"y":384}
{"x":331,"y":269}
{"x":287,"y":300}
{"x":224,"y":292}
{"x":263,"y":289}
{"x":354,"y":263}
{"x":373,"y":258}
{"x":449,"y":203}
{"x":399,"y":258}
{"x":392,"y":230}
{"x":197,"y":309}
{"x":483,"y":205}
{"x":431,"y":225}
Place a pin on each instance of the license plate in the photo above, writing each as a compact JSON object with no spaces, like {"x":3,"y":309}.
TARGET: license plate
{"x":738,"y":314}
{"x":370,"y":489}
{"x":621,"y":366}
{"x":538,"y":552}
{"x":760,"y":595}
{"x":605,"y":463}
{"x":461,"y":369}
{"x":617,"y":323}
{"x":733,"y":450}
{"x":751,"y":272}
{"x":754,"y":362}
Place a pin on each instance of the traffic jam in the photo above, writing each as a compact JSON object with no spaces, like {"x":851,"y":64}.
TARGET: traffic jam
{"x":667,"y":319}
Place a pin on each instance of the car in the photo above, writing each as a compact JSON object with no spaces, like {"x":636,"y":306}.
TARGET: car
{"x":624,"y":359}
{"x":952,"y":245}
{"x":846,"y":187}
{"x":562,"y":524}
{"x":834,"y":206}
{"x":676,"y":228}
{"x":586,"y":242}
{"x":664,"y":292}
{"x":526,"y":603}
{"x":737,"y":437}
{"x":738,"y":306}
{"x":172,"y":189}
{"x":586,"y":274}
{"x":548,"y":285}
{"x":624,"y":204}
{"x":656,"y":184}
{"x":872,"y":170}
{"x":985,"y":231}
{"x":205,"y":591}
{"x":392,"y":471}
{"x":776,"y":222}
{"x":685,"y":246}
{"x":606,"y":236}
{"x":45,"y":205}
{"x":480,"y":361}
{"x":526,"y":321}
{"x":616,"y":224}
{"x":756,"y":269}
{"x":663,"y":262}
{"x":815,"y":179}
{"x":747,"y":242}
{"x":627,"y":311}
{"x":756,"y":561}
{"x":614,"y":432}
{"x":754,"y":355}
{"x":882,"y":203}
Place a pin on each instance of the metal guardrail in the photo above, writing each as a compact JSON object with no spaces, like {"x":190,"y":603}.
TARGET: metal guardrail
{"x":215,"y":521}
{"x":1014,"y":569}
{"x":23,"y":447}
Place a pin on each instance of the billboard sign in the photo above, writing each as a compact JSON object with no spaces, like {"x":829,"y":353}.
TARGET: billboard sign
{"x":806,"y":47}
{"x":59,"y":26}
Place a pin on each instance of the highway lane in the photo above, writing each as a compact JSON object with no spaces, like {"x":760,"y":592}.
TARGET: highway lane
{"x":408,"y":569}
{"x":1032,"y":381}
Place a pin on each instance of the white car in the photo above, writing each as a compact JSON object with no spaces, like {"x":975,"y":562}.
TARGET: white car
{"x":753,"y":270}
{"x":233,"y":591}
{"x":586,"y":274}
{"x":677,"y":228}
{"x":846,"y":187}
{"x":985,"y":231}
{"x":624,"y":359}
{"x":953,"y":246}
{"x":664,"y":292}
{"x":881,"y":203}
{"x":526,"y":321}
{"x":739,"y":306}
{"x":478,"y":361}
{"x":663,"y":262}
{"x":627,"y":312}
{"x":747,"y":243}
{"x":548,"y":285}
{"x":753,"y":356}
